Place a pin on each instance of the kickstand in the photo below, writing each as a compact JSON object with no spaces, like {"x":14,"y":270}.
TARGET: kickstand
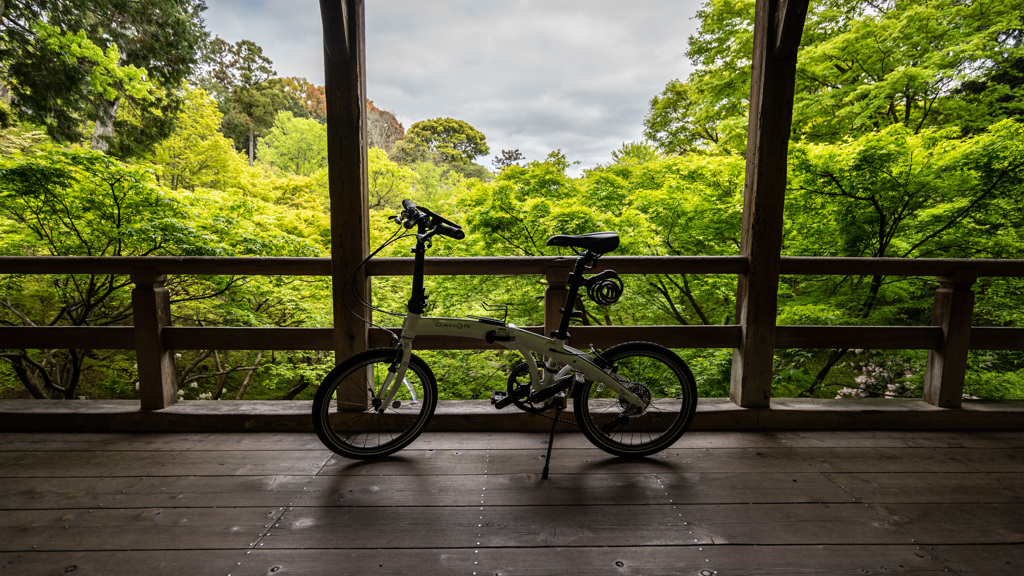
{"x":551,"y":440}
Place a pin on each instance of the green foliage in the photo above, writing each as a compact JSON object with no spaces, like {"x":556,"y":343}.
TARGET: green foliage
{"x":452,"y":140}
{"x":898,"y":193}
{"x":113,"y":63}
{"x":239,"y":77}
{"x":295,"y":145}
{"x":80,"y":202}
{"x":196,"y":154}
{"x":389,"y":183}
{"x":106,"y":76}
{"x":995,"y":375}
{"x":862,"y":66}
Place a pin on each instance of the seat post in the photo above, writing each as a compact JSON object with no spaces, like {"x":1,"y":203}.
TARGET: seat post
{"x":583,"y":263}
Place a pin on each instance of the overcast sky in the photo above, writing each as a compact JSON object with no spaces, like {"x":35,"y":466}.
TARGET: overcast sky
{"x":537,"y":75}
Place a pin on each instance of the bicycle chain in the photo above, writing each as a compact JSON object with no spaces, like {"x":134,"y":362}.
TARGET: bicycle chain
{"x":562,"y":420}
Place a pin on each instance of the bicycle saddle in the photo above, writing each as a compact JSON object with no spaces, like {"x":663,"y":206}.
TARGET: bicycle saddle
{"x":596,"y":242}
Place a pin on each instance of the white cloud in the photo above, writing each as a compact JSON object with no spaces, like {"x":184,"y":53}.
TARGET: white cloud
{"x":537,"y":75}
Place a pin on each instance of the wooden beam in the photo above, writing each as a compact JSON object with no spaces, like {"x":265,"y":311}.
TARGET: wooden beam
{"x":67,"y":337}
{"x":380,"y":266}
{"x":991,"y":338}
{"x":345,"y":84}
{"x":768,"y":129}
{"x":866,"y":337}
{"x":789,"y":27}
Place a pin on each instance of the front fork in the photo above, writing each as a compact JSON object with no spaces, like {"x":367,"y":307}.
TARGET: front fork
{"x":393,"y":382}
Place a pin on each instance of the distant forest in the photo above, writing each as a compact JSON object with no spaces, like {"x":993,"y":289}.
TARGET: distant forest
{"x":126,"y":130}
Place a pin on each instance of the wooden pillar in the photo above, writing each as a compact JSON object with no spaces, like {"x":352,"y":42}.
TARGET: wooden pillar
{"x":778,"y":25}
{"x":151,"y":306}
{"x":554,"y":296}
{"x":345,"y":84}
{"x":947,"y":366}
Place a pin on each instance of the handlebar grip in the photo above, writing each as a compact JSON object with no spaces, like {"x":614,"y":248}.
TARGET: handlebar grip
{"x":407,"y":204}
{"x":450,"y":231}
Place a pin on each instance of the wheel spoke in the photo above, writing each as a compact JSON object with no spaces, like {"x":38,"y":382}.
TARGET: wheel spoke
{"x":368,"y":428}
{"x":662,"y":382}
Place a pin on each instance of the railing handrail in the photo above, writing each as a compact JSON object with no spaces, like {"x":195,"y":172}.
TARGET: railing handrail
{"x":505,"y":265}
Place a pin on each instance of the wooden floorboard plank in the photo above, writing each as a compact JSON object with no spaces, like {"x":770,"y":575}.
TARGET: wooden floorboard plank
{"x":901,"y":439}
{"x":174,"y":442}
{"x":134,"y":529}
{"x":513,"y":489}
{"x":192,"y":463}
{"x":151,"y":491}
{"x":716,"y":560}
{"x":158,"y":442}
{"x":682,"y":525}
{"x":938,"y":487}
{"x":707,"y":460}
{"x":589,"y":561}
{"x":1006,"y":560}
{"x":574,"y":489}
{"x":125,"y":563}
{"x":152,"y":442}
{"x":602,"y":561}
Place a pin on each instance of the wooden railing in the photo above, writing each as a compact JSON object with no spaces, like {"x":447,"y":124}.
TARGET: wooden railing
{"x":153,"y":337}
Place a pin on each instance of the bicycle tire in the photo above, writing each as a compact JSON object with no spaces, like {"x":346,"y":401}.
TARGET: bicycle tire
{"x":356,"y":429}
{"x":657,"y":375}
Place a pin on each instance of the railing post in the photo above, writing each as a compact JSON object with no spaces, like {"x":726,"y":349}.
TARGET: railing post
{"x":151,"y":306}
{"x":947,"y":366}
{"x":557,"y":277}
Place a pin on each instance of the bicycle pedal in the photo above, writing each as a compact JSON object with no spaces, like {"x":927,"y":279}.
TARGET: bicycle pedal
{"x":501,"y":398}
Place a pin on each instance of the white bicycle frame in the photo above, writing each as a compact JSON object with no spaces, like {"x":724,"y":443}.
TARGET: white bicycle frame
{"x":554,"y":351}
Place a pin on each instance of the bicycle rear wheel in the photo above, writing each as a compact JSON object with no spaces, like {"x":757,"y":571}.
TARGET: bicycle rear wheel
{"x":660,"y":378}
{"x":348,"y":411}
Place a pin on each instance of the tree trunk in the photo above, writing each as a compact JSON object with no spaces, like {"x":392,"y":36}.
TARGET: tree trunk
{"x":248,"y":377}
{"x":834,"y":357}
{"x":103,"y":132}
{"x":294,"y":391}
{"x":252,"y":146}
{"x":34,"y":386}
{"x":77,"y":360}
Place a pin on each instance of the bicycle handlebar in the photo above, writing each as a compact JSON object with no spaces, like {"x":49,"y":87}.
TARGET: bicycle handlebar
{"x":413,"y":215}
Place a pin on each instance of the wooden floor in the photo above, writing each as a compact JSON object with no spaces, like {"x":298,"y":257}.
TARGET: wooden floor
{"x":718,"y":503}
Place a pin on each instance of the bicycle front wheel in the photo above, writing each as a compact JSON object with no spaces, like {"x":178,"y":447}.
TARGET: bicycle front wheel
{"x":349,"y":413}
{"x":661,"y":379}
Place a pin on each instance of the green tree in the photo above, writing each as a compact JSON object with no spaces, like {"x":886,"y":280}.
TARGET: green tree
{"x":303,"y":98}
{"x":196,"y":154}
{"x":80,"y":203}
{"x":861,"y":67}
{"x":295,"y":145}
{"x":239,"y":77}
{"x":71,"y":63}
{"x":454,"y":141}
{"x":389,"y":182}
{"x":897,"y":193}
